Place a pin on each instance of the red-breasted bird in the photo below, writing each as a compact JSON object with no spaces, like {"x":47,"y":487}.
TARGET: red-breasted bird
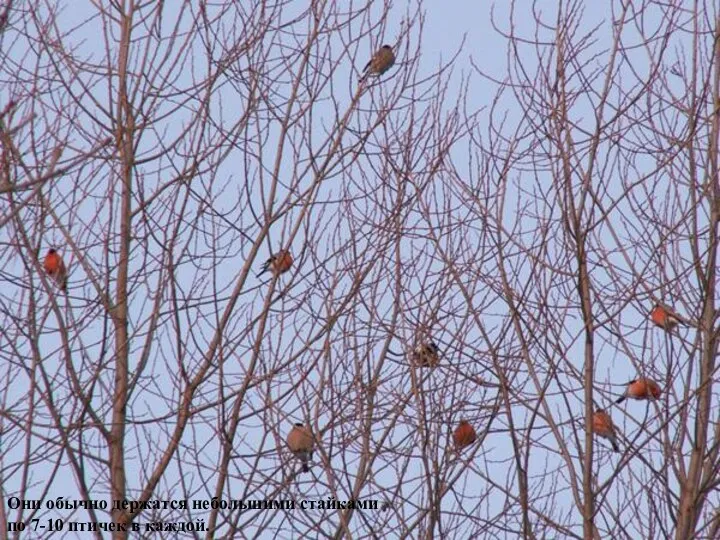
{"x":381,"y":61}
{"x":279,"y":263}
{"x":55,"y":268}
{"x":603,"y":427}
{"x":301,"y":442}
{"x":641,"y":389}
{"x":426,"y":354}
{"x":464,"y":435}
{"x":665,"y":317}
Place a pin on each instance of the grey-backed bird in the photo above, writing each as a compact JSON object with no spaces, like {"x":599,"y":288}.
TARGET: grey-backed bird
{"x":381,"y":61}
{"x":426,"y":355}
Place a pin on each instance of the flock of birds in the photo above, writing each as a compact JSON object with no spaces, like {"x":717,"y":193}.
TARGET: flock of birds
{"x":641,"y":388}
{"x":301,"y":441}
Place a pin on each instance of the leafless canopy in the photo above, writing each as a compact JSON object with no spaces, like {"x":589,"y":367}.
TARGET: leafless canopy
{"x":523,"y":219}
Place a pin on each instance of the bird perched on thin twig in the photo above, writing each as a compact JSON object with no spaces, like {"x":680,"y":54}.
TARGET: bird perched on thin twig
{"x":664,"y":317}
{"x":641,"y":389}
{"x":464,"y":435}
{"x":381,"y":61}
{"x":55,"y":268}
{"x":279,"y":263}
{"x":426,"y":355}
{"x":301,"y":442}
{"x":603,"y":426}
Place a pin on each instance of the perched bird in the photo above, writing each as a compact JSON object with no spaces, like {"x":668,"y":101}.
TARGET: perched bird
{"x":381,"y":61}
{"x":464,"y":435}
{"x":603,"y":426}
{"x":279,"y":263}
{"x":55,"y":268}
{"x":664,"y":317}
{"x":301,"y":442}
{"x":641,"y":389}
{"x":426,"y":355}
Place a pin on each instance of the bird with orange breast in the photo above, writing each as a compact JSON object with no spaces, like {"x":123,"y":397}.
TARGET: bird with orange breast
{"x":381,"y":61}
{"x":464,"y":435}
{"x":426,"y":355}
{"x":665,"y":317}
{"x":278,"y":263}
{"x":603,"y":426}
{"x":55,"y":268}
{"x":301,"y":442}
{"x":641,"y":389}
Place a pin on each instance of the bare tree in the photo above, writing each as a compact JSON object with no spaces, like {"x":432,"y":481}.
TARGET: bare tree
{"x":168,"y":149}
{"x":610,"y":172}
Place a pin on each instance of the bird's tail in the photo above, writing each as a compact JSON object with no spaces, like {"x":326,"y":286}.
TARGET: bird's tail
{"x":677,"y":326}
{"x":620,"y":399}
{"x":265,"y":268}
{"x":674,"y":322}
{"x":305,"y":458}
{"x":613,"y":441}
{"x":365,"y":71}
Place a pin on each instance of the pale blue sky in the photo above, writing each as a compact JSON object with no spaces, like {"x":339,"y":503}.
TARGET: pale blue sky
{"x":446,"y":24}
